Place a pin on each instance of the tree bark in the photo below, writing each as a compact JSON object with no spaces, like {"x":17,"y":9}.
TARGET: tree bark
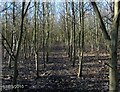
{"x":113,"y":72}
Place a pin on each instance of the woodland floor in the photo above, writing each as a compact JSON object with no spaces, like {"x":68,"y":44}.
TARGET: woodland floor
{"x":59,"y":75}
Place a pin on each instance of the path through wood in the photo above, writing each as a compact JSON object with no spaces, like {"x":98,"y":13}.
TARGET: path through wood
{"x":59,"y":75}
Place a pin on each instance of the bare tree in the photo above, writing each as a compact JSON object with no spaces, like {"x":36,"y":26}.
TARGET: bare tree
{"x":13,"y":36}
{"x":80,"y":52}
{"x":74,"y":35}
{"x":113,"y":72}
{"x":44,"y":35}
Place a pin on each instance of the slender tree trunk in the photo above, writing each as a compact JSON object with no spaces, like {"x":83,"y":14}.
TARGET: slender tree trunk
{"x":82,"y":44}
{"x":25,"y":43}
{"x":74,"y":34}
{"x":43,"y":6}
{"x":37,"y":64}
{"x":66,"y":27}
{"x":79,"y":25}
{"x":5,"y":33}
{"x":97,"y":39}
{"x":35,"y":42}
{"x":48,"y":33}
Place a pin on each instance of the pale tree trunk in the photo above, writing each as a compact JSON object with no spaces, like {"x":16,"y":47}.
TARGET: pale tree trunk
{"x":91,"y":33}
{"x":113,"y":72}
{"x":82,"y":44}
{"x":96,"y":37}
{"x":66,"y":27}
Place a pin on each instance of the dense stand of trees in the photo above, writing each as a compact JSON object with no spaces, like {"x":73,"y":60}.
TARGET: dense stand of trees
{"x":32,"y":27}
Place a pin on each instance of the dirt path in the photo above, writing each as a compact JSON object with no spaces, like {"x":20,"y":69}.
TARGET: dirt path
{"x":58,"y":62}
{"x":59,"y":75}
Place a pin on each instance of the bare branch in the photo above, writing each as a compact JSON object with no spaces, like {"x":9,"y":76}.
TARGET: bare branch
{"x":102,"y":25}
{"x":5,"y":8}
{"x":27,"y":8}
{"x":11,"y":54}
{"x":6,"y":41}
